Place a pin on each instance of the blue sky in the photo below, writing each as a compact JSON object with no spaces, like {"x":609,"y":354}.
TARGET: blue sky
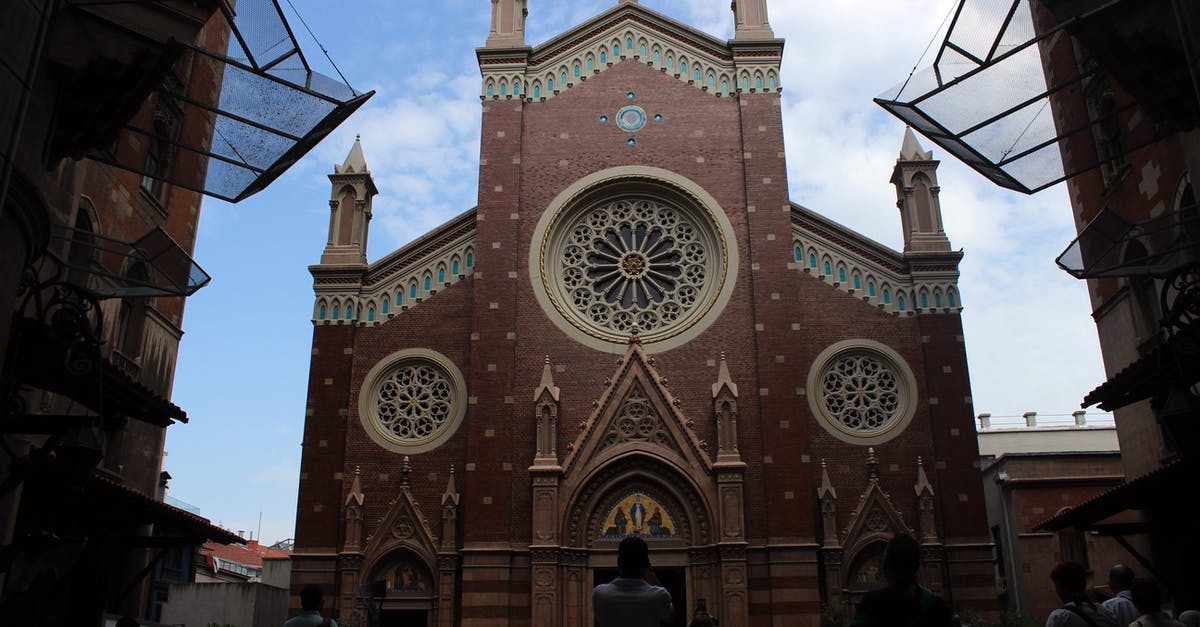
{"x":243,"y":365}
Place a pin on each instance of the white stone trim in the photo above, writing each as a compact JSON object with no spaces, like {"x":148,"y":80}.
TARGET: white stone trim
{"x":366,"y":410}
{"x":882,"y":352}
{"x":648,"y":176}
{"x":662,"y":53}
{"x":869,"y":271}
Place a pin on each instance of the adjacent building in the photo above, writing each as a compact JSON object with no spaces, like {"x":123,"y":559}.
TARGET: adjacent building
{"x":635,"y":332}
{"x":1105,"y":95}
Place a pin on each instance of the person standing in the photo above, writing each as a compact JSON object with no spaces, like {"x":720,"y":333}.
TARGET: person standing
{"x":1148,"y":600}
{"x":634,"y":598}
{"x":902,"y":603}
{"x":1120,"y":581}
{"x":1070,"y":583}
{"x":311,"y":599}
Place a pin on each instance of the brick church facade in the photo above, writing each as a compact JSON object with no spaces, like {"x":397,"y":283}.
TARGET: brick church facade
{"x":635,"y":331}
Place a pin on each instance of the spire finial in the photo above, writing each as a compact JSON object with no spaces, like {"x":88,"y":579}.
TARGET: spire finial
{"x":872,"y":464}
{"x":405,"y":471}
{"x":547,"y":383}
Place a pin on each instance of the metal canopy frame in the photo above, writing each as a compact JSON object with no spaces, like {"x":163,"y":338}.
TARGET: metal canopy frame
{"x":1105,"y":247}
{"x":986,"y":98}
{"x":170,"y":271}
{"x":273,"y":108}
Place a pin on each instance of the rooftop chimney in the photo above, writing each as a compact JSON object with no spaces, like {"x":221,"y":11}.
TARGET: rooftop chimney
{"x":1080,"y":417}
{"x":985,"y":421}
{"x":1031,"y":419}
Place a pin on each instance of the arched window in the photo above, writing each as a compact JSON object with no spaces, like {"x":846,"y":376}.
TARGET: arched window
{"x":412,"y":290}
{"x":322,"y":314}
{"x":349,"y":312}
{"x":828,"y":269}
{"x":158,"y":158}
{"x":698,"y":75}
{"x":441,"y":276}
{"x":490,"y":89}
{"x":951,"y":298}
{"x":683,"y":68}
{"x":799,"y":254}
{"x":516,"y":88}
{"x":887,"y":296}
{"x":454,"y":268}
{"x":400,"y":298}
{"x":812,"y":260}
{"x":841,"y":275}
{"x":629,"y":43}
{"x":771,"y":82}
{"x":591,"y":66}
{"x":503,"y":89}
{"x":83,"y":245}
{"x":371,"y":314}
{"x":603,"y":57}
{"x":758,"y":82}
{"x":857,"y":282}
{"x":550,"y":84}
{"x":745,"y":82}
{"x":724,"y":86}
{"x":900,"y":302}
{"x":384,"y":304}
{"x":712,"y":80}
{"x":670,"y":63}
{"x":537,"y":91}
{"x":576,"y":71}
{"x":937,"y":300}
{"x":335,"y":312}
{"x":428,"y":282}
{"x":871,"y":290}
{"x":642,"y":50}
{"x":657,"y":56}
{"x":470,"y":259}
{"x":563,"y":78}
{"x":616,"y":51}
{"x":924,"y":300}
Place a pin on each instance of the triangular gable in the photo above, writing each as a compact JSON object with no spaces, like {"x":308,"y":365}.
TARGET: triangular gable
{"x":874,"y":519}
{"x":633,"y":17}
{"x":402,"y":527}
{"x":637,"y":412}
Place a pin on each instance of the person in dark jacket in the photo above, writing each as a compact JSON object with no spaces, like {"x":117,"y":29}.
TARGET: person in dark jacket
{"x":902,"y":603}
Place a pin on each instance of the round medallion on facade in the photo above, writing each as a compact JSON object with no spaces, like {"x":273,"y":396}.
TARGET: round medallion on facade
{"x":631,"y":118}
{"x":632,"y":253}
{"x":862,"y":392}
{"x":412,"y":401}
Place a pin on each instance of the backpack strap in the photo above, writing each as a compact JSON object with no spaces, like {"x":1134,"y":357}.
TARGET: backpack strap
{"x":1071,"y":607}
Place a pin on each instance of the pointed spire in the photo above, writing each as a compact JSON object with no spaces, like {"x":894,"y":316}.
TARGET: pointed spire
{"x":356,"y":493}
{"x":355,"y":162}
{"x":450,"y":496}
{"x":923,"y":486}
{"x":405,"y":472}
{"x":872,"y":465}
{"x":826,"y":490}
{"x":724,"y":380}
{"x":911,"y":149}
{"x":547,"y":385}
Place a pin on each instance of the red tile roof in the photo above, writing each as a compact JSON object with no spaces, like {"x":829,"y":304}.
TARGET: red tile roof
{"x":250,"y":554}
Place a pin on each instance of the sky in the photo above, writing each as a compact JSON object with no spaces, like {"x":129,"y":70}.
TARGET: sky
{"x":243,"y":363}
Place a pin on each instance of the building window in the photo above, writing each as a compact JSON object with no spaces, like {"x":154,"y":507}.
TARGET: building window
{"x":537,"y":91}
{"x":828,"y":268}
{"x":871,"y":289}
{"x":335,"y":312}
{"x":952,"y":299}
{"x":576,"y":70}
{"x":924,"y":301}
{"x":454,"y":268}
{"x":470,"y":260}
{"x":887,"y":297}
{"x":842,"y":275}
{"x":349,"y":312}
{"x":371,"y":314}
{"x":862,"y":392}
{"x":1072,"y":547}
{"x":428,"y":282}
{"x":322,"y":315}
{"x":642,"y":50}
{"x":550,"y":85}
{"x":441,"y":276}
{"x":900,"y":303}
{"x":490,"y":89}
{"x":629,"y":43}
{"x":158,"y":158}
{"x":413,"y":401}
{"x":857,"y":282}
{"x":603,"y":57}
{"x":937,"y":300}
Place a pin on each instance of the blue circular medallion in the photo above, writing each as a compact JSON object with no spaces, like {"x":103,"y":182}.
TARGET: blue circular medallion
{"x":631,"y":118}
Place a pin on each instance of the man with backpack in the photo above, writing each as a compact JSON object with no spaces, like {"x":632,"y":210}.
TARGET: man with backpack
{"x":311,"y":599}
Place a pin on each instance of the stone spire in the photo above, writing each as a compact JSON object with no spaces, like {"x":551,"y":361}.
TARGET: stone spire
{"x":725,"y":408}
{"x":545,"y":399}
{"x":450,"y":500}
{"x":926,"y":517}
{"x":915,"y":178}
{"x":350,"y":210}
{"x":872,"y":465}
{"x":723,"y":380}
{"x":356,"y":494}
{"x":828,"y":498}
{"x":405,"y":473}
{"x":508,"y":24}
{"x":354,"y":515}
{"x":750,"y":20}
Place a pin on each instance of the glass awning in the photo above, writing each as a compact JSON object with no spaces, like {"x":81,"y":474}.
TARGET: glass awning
{"x":160,"y":267}
{"x":986,"y":98}
{"x":1110,"y":246}
{"x":272,"y":109}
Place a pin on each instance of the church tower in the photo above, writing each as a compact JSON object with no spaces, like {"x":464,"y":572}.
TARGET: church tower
{"x":915,"y":178}
{"x":350,"y":210}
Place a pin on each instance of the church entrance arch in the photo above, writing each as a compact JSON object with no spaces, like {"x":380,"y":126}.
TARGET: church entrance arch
{"x":408,"y":590}
{"x":638,"y":494}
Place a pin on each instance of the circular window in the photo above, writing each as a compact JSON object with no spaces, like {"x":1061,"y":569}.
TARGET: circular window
{"x":631,"y":118}
{"x":412,"y":401}
{"x":634,"y":254}
{"x":862,"y":392}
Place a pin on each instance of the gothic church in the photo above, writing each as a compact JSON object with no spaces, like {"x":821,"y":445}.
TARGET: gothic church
{"x":635,"y":331}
